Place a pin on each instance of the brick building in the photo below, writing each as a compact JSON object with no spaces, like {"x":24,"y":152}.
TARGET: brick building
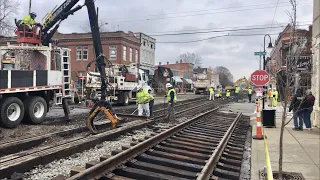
{"x":119,"y":47}
{"x":277,"y":65}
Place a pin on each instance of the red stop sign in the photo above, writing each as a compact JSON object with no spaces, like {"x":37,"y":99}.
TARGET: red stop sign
{"x":260,"y":77}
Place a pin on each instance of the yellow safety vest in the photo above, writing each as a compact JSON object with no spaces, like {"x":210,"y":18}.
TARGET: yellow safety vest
{"x":27,"y":20}
{"x":175,"y":95}
{"x":275,"y":93}
{"x":211,"y":90}
{"x":249,"y":91}
{"x":228,"y":94}
{"x":143,"y":97}
{"x":237,"y":90}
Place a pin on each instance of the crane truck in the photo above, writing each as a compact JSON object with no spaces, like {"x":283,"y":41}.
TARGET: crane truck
{"x":123,"y":80}
{"x":42,"y":77}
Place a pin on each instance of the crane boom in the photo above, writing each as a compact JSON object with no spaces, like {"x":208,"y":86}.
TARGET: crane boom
{"x":55,"y":16}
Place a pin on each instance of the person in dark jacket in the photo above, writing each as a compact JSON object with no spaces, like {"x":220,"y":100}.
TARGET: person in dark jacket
{"x":308,"y":103}
{"x":296,"y":106}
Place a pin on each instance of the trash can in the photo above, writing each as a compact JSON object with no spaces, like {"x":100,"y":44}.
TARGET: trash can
{"x":268,"y":118}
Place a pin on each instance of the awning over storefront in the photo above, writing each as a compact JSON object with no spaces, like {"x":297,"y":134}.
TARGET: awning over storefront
{"x":189,"y":81}
{"x":177,"y":79}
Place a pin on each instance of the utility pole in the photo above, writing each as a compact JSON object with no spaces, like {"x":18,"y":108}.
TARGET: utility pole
{"x":29,"y":6}
{"x":260,"y":60}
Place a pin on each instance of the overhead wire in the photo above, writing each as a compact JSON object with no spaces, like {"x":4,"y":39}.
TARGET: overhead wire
{"x":205,"y":39}
{"x":191,"y":15}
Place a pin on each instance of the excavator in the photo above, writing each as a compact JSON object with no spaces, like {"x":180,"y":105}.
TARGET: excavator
{"x":243,"y":83}
{"x":42,"y":35}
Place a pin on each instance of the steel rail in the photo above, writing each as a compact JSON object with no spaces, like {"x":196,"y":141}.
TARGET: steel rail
{"x":107,"y":166}
{"x":210,"y":166}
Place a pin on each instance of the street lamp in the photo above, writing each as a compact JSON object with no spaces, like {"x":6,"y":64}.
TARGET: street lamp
{"x":264,"y":59}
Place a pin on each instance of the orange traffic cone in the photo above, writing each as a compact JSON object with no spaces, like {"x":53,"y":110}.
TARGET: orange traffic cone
{"x":258,"y":135}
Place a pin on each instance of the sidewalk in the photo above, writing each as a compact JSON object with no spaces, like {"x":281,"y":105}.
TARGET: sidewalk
{"x":301,"y":149}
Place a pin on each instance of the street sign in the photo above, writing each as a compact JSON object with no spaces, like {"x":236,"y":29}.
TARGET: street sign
{"x":260,"y":53}
{"x":260,"y":77}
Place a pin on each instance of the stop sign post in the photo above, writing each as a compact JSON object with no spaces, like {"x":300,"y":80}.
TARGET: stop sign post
{"x":260,"y":77}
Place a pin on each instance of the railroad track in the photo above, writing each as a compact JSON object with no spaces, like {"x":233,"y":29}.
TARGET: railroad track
{"x":27,"y":159}
{"x":28,"y":142}
{"x":208,"y":146}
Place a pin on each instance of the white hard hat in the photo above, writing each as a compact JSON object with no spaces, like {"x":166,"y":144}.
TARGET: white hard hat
{"x":139,"y":87}
{"x":168,"y":85}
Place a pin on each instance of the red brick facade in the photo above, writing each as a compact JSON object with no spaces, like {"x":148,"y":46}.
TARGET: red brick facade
{"x":82,"y":50}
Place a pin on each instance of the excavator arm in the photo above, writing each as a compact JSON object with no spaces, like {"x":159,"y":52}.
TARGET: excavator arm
{"x":54,"y":18}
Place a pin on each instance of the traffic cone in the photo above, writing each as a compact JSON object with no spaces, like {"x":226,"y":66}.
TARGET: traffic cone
{"x":258,"y":135}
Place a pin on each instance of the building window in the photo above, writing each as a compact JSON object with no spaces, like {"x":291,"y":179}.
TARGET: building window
{"x":82,"y":53}
{"x":113,"y":52}
{"x":130,"y":54}
{"x":136,"y":59}
{"x":124,"y":53}
{"x":144,"y":43}
{"x":85,"y":52}
{"x":151,"y":46}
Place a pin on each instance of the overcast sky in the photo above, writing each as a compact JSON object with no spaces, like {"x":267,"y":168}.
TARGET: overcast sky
{"x":175,"y":16}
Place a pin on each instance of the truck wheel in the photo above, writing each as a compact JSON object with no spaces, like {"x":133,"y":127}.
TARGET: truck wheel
{"x":125,"y":99}
{"x":11,"y":112}
{"x":36,"y":109}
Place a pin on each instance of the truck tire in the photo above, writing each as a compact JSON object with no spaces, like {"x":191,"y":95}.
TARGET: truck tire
{"x":11,"y":112}
{"x":125,"y":101}
{"x":35,"y":110}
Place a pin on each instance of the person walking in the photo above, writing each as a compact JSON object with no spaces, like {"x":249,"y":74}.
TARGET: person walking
{"x":297,"y":110}
{"x":308,"y":103}
{"x":172,"y":99}
{"x":143,"y":99}
{"x":151,"y":102}
{"x":236,"y":94}
{"x":211,"y":93}
{"x":249,"y":94}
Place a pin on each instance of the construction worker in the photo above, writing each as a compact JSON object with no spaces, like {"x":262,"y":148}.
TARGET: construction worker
{"x":275,"y":97}
{"x":28,"y":21}
{"x":217,"y":95}
{"x":172,"y":99}
{"x":211,"y":95}
{"x":249,"y":94}
{"x":151,"y":102}
{"x":269,"y":97}
{"x":143,"y":99}
{"x":228,"y":94}
{"x":236,"y":93}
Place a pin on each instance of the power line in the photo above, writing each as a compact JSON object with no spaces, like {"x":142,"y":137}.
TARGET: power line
{"x":274,"y":14}
{"x":216,"y":31}
{"x":214,"y":37}
{"x":284,"y":2}
{"x":190,"y":15}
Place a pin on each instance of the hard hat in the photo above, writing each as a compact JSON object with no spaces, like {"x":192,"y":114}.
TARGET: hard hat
{"x":139,"y":87}
{"x":168,"y":85}
{"x":33,"y":14}
{"x":274,"y":88}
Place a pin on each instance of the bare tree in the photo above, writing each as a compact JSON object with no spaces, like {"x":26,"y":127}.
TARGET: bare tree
{"x":290,"y":78}
{"x":193,"y":58}
{"x":8,"y":9}
{"x":102,"y":26}
{"x":225,"y":76}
